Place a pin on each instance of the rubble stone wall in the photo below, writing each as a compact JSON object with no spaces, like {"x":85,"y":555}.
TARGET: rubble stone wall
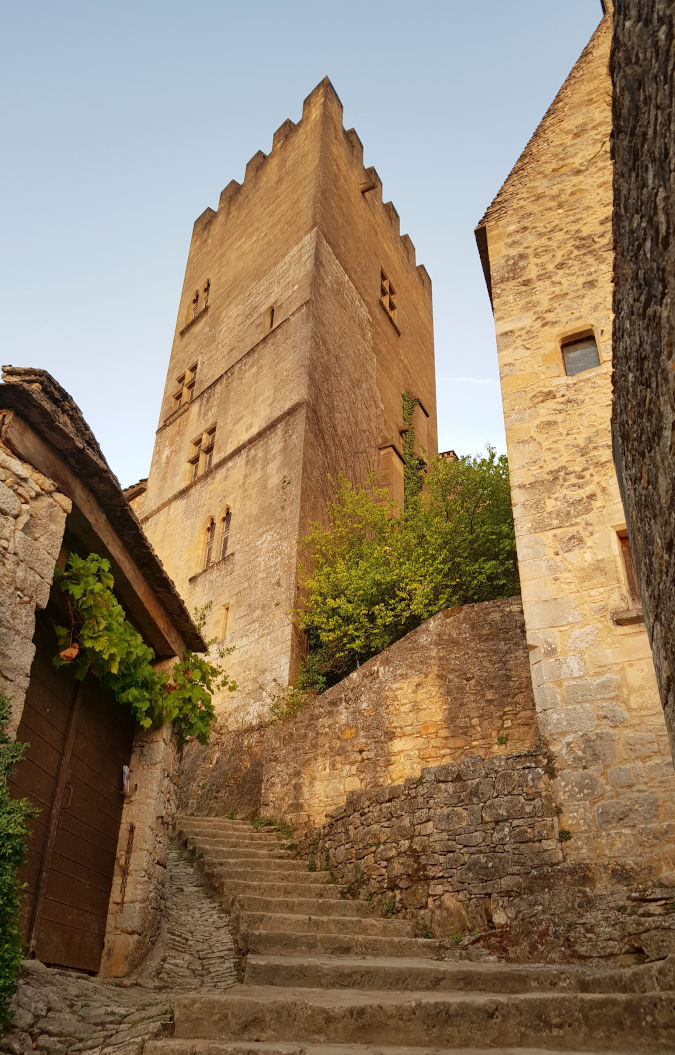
{"x":32,"y":521}
{"x":440,"y":846}
{"x":643,"y":409}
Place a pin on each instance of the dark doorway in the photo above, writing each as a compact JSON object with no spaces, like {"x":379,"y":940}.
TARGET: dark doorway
{"x":79,"y":740}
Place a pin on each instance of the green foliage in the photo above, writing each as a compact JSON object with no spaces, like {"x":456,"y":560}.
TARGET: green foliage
{"x":377,"y":573}
{"x":101,"y":641}
{"x":282,"y":827}
{"x":13,"y":835}
{"x":413,"y":465}
{"x":564,"y":835}
{"x":389,"y":907}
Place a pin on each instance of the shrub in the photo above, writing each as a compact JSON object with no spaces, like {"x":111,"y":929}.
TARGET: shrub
{"x":13,"y":835}
{"x":376,"y":572}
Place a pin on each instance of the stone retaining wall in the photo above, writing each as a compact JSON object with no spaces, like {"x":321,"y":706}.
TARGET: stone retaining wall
{"x":442,"y":845}
{"x":456,"y":686}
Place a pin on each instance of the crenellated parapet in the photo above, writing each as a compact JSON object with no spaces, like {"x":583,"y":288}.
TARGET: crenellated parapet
{"x":322,"y":103}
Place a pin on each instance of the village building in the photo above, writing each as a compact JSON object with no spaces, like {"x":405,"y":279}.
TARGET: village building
{"x":94,"y":877}
{"x":546,"y":247}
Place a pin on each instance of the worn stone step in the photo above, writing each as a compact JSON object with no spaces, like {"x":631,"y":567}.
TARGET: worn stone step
{"x":259,"y":873}
{"x":182,"y":820}
{"x":233,"y":1047}
{"x":243,"y":859}
{"x":247,"y":842}
{"x":332,"y":972}
{"x":271,"y":888}
{"x":216,"y":848}
{"x":625,"y":1022}
{"x":307,"y":906}
{"x":245,"y":835}
{"x":295,"y":923}
{"x":283,"y":942}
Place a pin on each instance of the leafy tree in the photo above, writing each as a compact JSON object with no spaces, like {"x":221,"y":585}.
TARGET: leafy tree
{"x":377,"y":573}
{"x":13,"y":835}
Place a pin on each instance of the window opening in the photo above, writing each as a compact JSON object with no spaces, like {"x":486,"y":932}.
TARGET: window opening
{"x":629,"y":569}
{"x":579,"y":355}
{"x":225,"y":534}
{"x":271,"y":318}
{"x":226,"y":613}
{"x":185,"y":387}
{"x":201,"y":454}
{"x":388,"y":297}
{"x":207,"y":290}
{"x":209,"y":442}
{"x":195,"y":304}
{"x":208,"y":549}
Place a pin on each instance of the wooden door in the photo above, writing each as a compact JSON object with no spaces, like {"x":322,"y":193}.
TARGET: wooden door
{"x":79,"y":740}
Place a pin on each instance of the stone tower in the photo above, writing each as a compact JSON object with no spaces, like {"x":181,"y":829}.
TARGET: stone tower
{"x":546,"y":247}
{"x":303,"y":318}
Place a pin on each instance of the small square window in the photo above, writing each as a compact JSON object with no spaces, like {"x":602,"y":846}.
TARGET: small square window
{"x":580,"y":355}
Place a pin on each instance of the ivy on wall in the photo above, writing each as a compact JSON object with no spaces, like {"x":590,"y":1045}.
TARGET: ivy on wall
{"x":99,"y":640}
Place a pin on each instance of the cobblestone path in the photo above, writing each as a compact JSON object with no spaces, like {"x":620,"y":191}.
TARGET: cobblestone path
{"x":62,"y":1012}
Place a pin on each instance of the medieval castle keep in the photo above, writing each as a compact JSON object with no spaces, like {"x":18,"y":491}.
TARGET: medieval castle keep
{"x":303,"y":319}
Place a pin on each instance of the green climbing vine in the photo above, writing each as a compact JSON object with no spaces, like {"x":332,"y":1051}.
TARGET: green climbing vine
{"x":99,"y":640}
{"x":13,"y":836}
{"x":413,"y":465}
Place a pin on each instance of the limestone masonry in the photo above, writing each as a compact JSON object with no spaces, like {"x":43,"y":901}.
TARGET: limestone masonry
{"x":546,"y":246}
{"x":303,"y":319}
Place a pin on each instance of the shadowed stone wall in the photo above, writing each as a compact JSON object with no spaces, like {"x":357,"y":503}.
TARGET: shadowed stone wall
{"x":643,"y":413}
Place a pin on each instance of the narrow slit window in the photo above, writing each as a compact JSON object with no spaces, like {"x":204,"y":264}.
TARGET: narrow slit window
{"x":580,"y":355}
{"x":225,"y":534}
{"x":629,"y":569}
{"x":208,"y":548}
{"x":271,"y":319}
{"x":226,"y":615}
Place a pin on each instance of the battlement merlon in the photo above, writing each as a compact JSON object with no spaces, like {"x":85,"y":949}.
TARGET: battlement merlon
{"x":322,"y":103}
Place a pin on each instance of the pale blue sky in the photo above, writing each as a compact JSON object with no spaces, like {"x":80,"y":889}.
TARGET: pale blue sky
{"x":123,"y":120}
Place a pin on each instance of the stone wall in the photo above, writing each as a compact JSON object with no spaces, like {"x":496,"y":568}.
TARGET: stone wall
{"x":546,"y":244}
{"x":32,"y":521}
{"x":138,"y":890}
{"x":439,"y":847}
{"x":643,"y":74}
{"x":457,"y":685}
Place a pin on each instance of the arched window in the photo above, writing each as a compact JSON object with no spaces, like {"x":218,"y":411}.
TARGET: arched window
{"x":225,"y":534}
{"x":210,"y":538}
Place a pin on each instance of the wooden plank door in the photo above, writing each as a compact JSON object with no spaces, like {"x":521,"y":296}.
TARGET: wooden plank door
{"x":72,"y":851}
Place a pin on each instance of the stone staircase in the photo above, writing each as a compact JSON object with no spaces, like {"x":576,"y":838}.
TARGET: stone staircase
{"x":324,"y":975}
